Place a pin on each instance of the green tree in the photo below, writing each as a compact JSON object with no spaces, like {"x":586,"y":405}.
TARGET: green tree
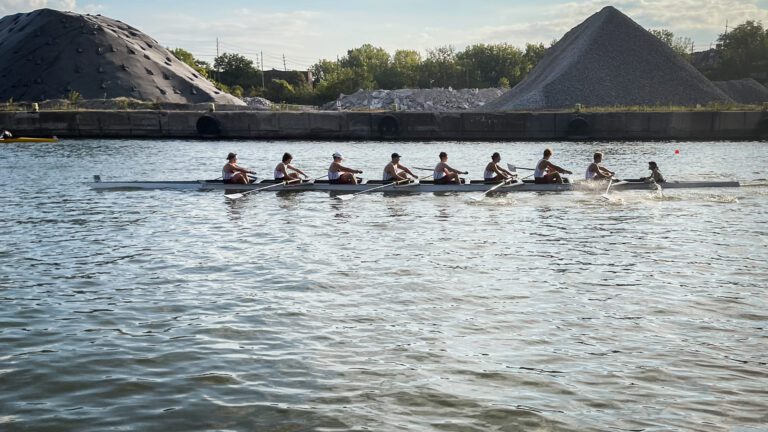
{"x":186,"y":57}
{"x":484,"y":65}
{"x":279,"y":90}
{"x":680,"y":45}
{"x":531,"y":57}
{"x":368,"y":63}
{"x":743,"y":53}
{"x":440,"y":68}
{"x":235,"y":69}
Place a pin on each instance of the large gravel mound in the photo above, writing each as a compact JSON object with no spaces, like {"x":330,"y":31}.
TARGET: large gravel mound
{"x":47,"y":54}
{"x":609,"y":60}
{"x":745,"y":91}
{"x":416,"y":99}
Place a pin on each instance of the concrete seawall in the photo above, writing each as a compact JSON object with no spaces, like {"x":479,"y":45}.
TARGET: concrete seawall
{"x":726,"y":125}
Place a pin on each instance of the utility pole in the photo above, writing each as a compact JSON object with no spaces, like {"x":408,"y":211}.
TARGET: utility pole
{"x":285,"y":68}
{"x":262,"y":69}
{"x":217,"y":56}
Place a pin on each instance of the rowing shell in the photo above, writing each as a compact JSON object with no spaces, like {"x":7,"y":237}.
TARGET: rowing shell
{"x":423,"y":186}
{"x":28,"y":140}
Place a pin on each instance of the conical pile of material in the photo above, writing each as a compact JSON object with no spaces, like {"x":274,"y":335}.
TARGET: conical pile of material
{"x":609,"y":60}
{"x":47,"y":54}
{"x":745,"y":91}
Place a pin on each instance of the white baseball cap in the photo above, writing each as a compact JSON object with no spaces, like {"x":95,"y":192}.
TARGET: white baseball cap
{"x":337,"y":155}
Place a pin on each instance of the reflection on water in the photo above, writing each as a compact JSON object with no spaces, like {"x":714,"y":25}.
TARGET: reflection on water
{"x":297,"y":311}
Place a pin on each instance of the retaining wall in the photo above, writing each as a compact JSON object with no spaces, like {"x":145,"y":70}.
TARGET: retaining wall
{"x":396,"y":125}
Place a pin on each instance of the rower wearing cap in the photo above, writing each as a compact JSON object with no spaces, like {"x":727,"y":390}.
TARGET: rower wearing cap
{"x":233,"y":173}
{"x":394,"y":171}
{"x":547,"y":172}
{"x":595,"y":171}
{"x":656,"y":175}
{"x":444,"y":173}
{"x":281,"y":170}
{"x":338,"y":174}
{"x":494,"y":173}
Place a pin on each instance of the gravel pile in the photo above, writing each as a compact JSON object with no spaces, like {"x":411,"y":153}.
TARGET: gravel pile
{"x":416,"y":99}
{"x":47,"y":54}
{"x":609,"y":60}
{"x":258,"y":103}
{"x":745,"y":91}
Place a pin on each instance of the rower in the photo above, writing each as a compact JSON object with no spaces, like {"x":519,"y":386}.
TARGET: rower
{"x":233,"y":173}
{"x":595,"y":171}
{"x":444,"y":173}
{"x":338,"y":174}
{"x":547,"y":172}
{"x":281,"y":170}
{"x":5,"y":134}
{"x":394,"y":171}
{"x":494,"y":173}
{"x":656,"y":176}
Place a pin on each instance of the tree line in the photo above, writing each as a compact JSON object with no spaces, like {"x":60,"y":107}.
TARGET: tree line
{"x":740,"y":53}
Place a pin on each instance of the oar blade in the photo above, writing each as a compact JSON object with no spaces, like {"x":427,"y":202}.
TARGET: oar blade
{"x":345,"y":197}
{"x":233,"y":196}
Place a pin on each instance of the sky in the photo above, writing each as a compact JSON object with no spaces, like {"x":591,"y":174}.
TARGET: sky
{"x":306,"y":31}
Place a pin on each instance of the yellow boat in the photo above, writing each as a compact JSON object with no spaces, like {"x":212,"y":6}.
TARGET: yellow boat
{"x":28,"y":140}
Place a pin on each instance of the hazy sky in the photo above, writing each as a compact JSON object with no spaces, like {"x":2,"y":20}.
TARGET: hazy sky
{"x":305,"y":31}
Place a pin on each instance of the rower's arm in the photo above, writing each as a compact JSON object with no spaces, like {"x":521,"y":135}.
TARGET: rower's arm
{"x":454,"y":170}
{"x":605,"y":171}
{"x":405,"y":169}
{"x":349,"y":170}
{"x":297,"y":170}
{"x":558,"y":169}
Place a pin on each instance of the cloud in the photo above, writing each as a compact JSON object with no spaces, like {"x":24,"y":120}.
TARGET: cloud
{"x":8,"y":7}
{"x":245,"y":31}
{"x":695,"y":18}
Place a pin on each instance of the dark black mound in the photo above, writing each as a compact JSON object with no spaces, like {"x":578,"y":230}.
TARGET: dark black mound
{"x":609,"y":60}
{"x":46,"y":54}
{"x":745,"y":91}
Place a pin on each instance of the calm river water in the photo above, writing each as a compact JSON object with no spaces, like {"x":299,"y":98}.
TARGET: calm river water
{"x":167,"y":310}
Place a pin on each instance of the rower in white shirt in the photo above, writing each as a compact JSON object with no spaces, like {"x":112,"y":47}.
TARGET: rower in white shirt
{"x":281,"y":170}
{"x":595,"y":170}
{"x":444,"y":173}
{"x":394,"y":171}
{"x":339,"y":174}
{"x":494,"y":173}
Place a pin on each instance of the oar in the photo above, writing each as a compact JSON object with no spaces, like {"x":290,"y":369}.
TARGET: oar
{"x":514,"y":168}
{"x":350,"y":196}
{"x":505,"y":182}
{"x":610,"y":183}
{"x":235,"y":196}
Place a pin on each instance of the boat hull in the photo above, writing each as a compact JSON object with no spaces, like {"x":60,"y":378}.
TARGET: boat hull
{"x":421,"y":187}
{"x":28,"y":140}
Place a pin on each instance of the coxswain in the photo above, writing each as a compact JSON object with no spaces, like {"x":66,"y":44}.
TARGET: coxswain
{"x":494,"y":173}
{"x":444,"y":173}
{"x":595,"y":171}
{"x":233,"y":173}
{"x":281,"y":170}
{"x":394,"y":171}
{"x":547,"y":172}
{"x":339,"y":174}
{"x":656,"y":176}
